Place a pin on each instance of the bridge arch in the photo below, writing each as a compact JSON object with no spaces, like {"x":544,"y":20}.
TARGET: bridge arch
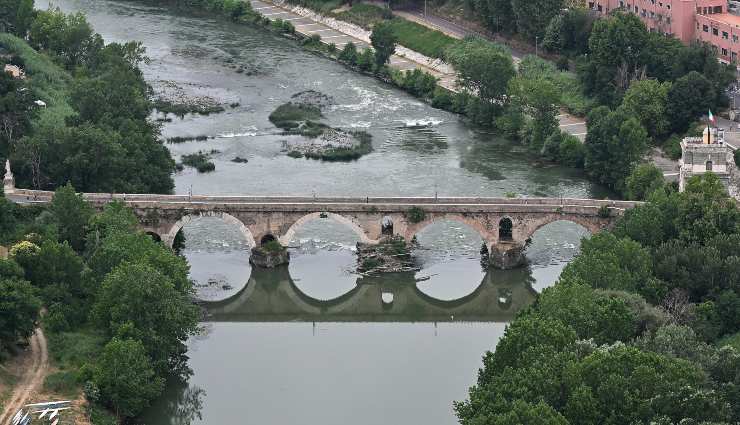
{"x":169,"y":238}
{"x":290,"y":233}
{"x":593,"y":224}
{"x":474,"y":223}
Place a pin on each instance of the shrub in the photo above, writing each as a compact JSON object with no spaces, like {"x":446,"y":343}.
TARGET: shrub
{"x":604,"y":211}
{"x":737,"y":157}
{"x":366,"y":60}
{"x":572,"y":152}
{"x":349,"y":54}
{"x":200,"y":161}
{"x":672,"y":147}
{"x":288,"y":27}
{"x":442,"y":98}
{"x":273,"y":246}
{"x":415,"y":215}
{"x":331,"y":48}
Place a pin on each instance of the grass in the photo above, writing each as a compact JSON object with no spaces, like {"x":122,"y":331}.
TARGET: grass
{"x":291,"y":115}
{"x":572,"y":97}
{"x":71,"y":350}
{"x":731,"y":340}
{"x":48,"y":82}
{"x":419,"y":38}
{"x":365,"y":15}
{"x":65,"y":382}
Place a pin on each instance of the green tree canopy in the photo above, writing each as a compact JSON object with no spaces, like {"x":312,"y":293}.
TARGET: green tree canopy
{"x":20,"y":309}
{"x":138,"y":301}
{"x":383,"y":41}
{"x":126,"y":379}
{"x":614,"y":144}
{"x":484,"y":68}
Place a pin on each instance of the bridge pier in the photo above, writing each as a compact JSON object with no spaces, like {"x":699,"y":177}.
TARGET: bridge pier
{"x":506,"y":255}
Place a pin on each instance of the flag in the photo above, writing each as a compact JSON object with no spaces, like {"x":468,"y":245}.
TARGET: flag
{"x":711,"y":117}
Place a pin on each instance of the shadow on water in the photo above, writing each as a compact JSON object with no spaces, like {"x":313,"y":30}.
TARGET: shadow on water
{"x":272,"y":296}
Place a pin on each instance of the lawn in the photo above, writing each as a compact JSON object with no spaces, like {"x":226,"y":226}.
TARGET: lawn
{"x":419,"y":38}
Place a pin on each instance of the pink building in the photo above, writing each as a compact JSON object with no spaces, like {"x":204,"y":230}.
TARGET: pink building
{"x":687,"y":20}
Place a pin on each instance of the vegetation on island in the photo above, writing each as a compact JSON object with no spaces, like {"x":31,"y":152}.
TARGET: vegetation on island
{"x":80,"y":115}
{"x":329,"y":144}
{"x":114,"y":297}
{"x":200,"y":160}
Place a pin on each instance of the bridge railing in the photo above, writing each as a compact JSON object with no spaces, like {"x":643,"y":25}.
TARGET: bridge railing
{"x":39,"y":196}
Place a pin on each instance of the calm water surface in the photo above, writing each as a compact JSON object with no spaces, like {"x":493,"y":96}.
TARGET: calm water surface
{"x":315,"y":342}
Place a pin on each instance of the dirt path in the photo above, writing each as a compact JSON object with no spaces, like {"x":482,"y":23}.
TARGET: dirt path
{"x":32,"y":378}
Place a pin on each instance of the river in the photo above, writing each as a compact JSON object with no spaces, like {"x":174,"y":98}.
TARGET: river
{"x":314,"y":342}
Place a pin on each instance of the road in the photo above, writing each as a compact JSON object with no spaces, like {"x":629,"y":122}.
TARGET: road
{"x":35,"y":368}
{"x":309,"y":26}
{"x":568,"y":123}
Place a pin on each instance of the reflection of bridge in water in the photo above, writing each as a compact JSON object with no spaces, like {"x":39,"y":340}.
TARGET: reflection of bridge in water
{"x":272,"y":296}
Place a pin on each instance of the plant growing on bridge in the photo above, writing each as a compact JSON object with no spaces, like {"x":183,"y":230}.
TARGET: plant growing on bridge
{"x":604,"y":211}
{"x":415,"y":215}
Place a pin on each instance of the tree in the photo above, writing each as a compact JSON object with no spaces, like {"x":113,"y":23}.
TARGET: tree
{"x":648,"y":100}
{"x":138,"y":301}
{"x":125,"y":377}
{"x":72,"y":214}
{"x":533,"y":16}
{"x":24,"y":18}
{"x":645,"y":179}
{"x":690,"y":97}
{"x":499,"y":15}
{"x":366,"y":60}
{"x":614,"y":144}
{"x":137,"y":247}
{"x":608,"y":262}
{"x":19,"y":311}
{"x":115,"y":218}
{"x":69,"y":38}
{"x":483,"y":68}
{"x":591,"y":314}
{"x":383,"y":40}
{"x":541,"y":99}
{"x":615,"y":56}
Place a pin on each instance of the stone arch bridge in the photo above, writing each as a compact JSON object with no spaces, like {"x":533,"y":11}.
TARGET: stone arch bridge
{"x":505,"y":224}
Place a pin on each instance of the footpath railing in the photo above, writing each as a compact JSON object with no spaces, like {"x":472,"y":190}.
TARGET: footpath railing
{"x":38,"y":196}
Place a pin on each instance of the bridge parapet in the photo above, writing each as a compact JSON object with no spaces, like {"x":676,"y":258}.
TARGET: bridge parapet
{"x":505,"y":224}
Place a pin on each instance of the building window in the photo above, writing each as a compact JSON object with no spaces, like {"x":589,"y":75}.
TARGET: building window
{"x":668,"y":6}
{"x":734,"y":38}
{"x":668,"y":19}
{"x":715,"y":31}
{"x":734,"y":57}
{"x":725,"y":35}
{"x":705,"y":28}
{"x":637,"y":9}
{"x":717,"y":9}
{"x":599,"y":8}
{"x":724,"y":52}
{"x":709,"y":165}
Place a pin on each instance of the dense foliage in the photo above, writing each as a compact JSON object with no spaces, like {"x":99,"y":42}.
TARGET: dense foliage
{"x":626,"y":335}
{"x":124,"y":298}
{"x":92,"y":128}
